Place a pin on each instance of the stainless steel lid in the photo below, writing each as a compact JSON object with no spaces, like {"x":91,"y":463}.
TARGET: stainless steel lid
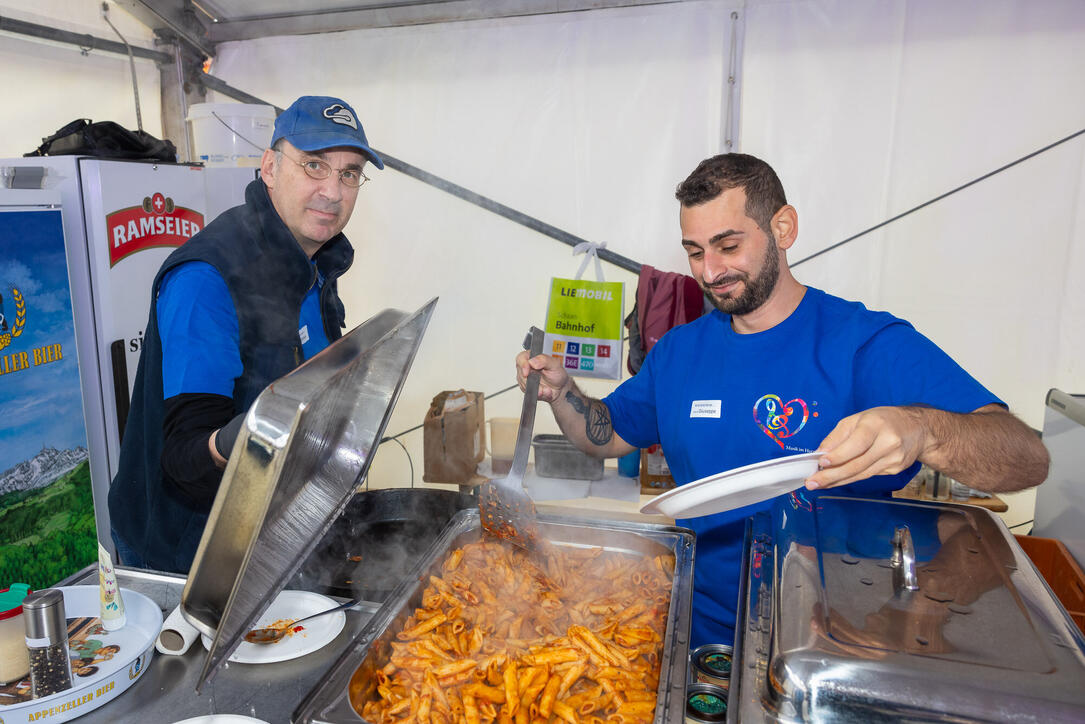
{"x":860,"y":609}
{"x":43,"y":613}
{"x":306,"y":444}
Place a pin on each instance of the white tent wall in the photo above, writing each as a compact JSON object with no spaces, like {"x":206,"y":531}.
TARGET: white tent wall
{"x":583,"y":120}
{"x":49,"y":84}
{"x":868,"y":109}
{"x":588,"y":120}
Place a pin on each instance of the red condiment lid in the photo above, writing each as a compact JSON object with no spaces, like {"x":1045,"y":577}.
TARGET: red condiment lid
{"x":11,"y":600}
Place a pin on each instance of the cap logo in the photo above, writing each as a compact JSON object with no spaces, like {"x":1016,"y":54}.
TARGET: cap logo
{"x":338,"y":114}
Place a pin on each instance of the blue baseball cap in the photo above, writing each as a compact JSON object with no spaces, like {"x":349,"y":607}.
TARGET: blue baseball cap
{"x":313,"y":123}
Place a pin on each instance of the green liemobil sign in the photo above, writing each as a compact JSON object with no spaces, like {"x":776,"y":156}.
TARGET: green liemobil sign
{"x":584,"y":326}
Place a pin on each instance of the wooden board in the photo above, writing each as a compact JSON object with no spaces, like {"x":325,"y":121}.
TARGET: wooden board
{"x":994,"y":503}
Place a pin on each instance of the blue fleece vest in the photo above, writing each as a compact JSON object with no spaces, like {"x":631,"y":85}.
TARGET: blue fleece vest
{"x":268,"y":276}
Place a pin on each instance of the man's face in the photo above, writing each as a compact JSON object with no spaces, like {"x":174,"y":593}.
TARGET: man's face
{"x":733,"y":260}
{"x":314,"y":210}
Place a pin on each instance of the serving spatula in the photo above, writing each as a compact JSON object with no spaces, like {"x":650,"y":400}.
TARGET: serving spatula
{"x":506,"y":510}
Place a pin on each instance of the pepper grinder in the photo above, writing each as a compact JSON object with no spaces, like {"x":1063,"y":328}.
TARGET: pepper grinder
{"x":47,"y":642}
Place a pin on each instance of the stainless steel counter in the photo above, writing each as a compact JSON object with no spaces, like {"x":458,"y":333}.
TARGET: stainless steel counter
{"x":166,"y":692}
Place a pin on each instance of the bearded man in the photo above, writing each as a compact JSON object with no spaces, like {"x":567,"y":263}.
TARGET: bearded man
{"x":819,"y":373}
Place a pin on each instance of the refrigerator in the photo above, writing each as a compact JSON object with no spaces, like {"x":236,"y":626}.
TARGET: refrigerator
{"x":1060,"y":500}
{"x":119,"y":220}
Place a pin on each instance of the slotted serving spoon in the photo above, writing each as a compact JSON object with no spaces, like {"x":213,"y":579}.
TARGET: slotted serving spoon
{"x":505,"y":509}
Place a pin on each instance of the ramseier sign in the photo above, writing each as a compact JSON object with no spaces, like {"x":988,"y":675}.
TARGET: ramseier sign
{"x":156,"y":223}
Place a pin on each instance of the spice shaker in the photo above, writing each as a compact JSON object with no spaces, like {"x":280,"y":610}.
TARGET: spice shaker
{"x":47,"y":642}
{"x":13,"y":661}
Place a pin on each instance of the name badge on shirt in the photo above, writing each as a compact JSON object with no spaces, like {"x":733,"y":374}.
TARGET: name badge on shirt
{"x":705,"y":408}
{"x":303,"y":335}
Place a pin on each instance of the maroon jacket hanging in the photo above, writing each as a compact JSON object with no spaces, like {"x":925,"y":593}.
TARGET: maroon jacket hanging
{"x":664,"y":300}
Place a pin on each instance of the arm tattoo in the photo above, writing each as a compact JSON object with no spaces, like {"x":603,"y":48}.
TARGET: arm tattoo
{"x":576,"y":402}
{"x":597,"y":426}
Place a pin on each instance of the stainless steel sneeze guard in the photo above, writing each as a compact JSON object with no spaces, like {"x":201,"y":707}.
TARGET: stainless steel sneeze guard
{"x":833,"y":626}
{"x":305,"y":445}
{"x":329,"y":702}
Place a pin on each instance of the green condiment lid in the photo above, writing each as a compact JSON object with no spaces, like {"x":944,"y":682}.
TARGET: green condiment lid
{"x":705,"y":703}
{"x":11,"y":600}
{"x":719,"y":663}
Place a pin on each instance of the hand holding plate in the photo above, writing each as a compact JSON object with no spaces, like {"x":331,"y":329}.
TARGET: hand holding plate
{"x":878,"y":441}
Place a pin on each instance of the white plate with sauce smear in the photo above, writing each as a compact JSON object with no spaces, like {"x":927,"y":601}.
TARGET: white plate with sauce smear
{"x":314,"y":635}
{"x":735,"y":488}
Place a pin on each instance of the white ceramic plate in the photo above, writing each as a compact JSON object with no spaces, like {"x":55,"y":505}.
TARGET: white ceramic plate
{"x":314,"y":635}
{"x":735,"y":488}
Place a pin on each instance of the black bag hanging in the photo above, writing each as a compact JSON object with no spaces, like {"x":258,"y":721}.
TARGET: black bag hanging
{"x":105,"y":139}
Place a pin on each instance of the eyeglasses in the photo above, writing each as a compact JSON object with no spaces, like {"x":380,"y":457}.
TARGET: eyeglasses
{"x":319,"y":170}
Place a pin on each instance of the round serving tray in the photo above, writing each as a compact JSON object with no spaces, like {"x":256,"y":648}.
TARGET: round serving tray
{"x":100,"y":672}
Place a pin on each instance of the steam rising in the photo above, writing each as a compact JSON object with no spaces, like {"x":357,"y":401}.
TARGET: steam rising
{"x":376,"y":540}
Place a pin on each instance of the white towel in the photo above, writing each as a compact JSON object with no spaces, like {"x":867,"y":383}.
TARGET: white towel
{"x":176,"y":635}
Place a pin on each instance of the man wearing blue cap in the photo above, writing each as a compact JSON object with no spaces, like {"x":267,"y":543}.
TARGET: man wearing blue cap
{"x":242,"y":303}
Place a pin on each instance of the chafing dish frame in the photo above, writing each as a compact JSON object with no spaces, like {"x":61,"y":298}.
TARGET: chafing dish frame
{"x":781,"y":678}
{"x":329,"y":702}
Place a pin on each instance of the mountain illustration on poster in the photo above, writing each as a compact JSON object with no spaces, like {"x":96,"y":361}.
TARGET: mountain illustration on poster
{"x":47,"y":527}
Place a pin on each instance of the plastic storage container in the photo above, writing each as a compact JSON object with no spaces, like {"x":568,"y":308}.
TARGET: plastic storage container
{"x":1061,"y":572}
{"x":503,"y":443}
{"x":14,"y":662}
{"x":555,"y":457}
{"x":231,"y":134}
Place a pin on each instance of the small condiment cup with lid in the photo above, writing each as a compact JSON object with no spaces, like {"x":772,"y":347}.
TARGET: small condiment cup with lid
{"x":14,"y":661}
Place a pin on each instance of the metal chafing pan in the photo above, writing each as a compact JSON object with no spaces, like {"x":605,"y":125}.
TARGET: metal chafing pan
{"x":329,"y":702}
{"x":306,"y":444}
{"x":881,"y":610}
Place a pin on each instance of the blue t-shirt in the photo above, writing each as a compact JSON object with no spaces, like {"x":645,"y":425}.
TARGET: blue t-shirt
{"x":716,"y":400}
{"x":201,"y":338}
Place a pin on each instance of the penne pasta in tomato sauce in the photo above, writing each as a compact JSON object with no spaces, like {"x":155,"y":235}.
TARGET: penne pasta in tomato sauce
{"x":502,"y":638}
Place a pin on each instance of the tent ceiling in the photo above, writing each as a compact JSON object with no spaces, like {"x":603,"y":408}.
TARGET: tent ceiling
{"x":223,"y":20}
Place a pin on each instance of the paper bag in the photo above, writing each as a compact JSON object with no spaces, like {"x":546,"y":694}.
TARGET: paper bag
{"x":454,"y":437}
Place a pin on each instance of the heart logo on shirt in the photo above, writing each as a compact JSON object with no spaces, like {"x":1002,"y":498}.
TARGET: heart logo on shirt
{"x":777,"y":419}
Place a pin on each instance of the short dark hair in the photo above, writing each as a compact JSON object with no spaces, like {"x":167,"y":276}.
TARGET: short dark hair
{"x":764,"y":192}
